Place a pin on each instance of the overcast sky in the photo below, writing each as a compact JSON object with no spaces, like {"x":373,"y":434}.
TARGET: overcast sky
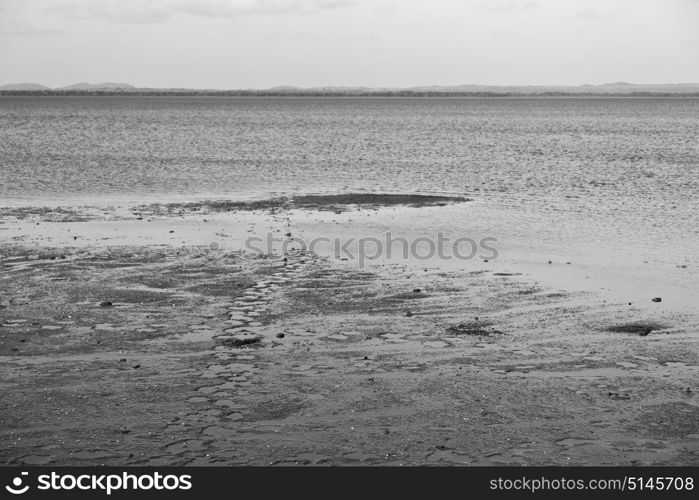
{"x":265,"y":43}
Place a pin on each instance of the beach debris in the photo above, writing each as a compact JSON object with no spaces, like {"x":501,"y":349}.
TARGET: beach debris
{"x":656,"y":299}
{"x":638,"y":327}
{"x":473,"y":328}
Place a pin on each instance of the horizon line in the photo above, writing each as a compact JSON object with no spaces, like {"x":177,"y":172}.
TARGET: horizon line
{"x":341,"y":86}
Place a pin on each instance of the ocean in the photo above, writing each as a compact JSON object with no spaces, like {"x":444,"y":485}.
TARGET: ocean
{"x":607,"y":183}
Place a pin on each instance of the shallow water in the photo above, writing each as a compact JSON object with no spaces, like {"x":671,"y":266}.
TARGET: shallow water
{"x":608,"y":183}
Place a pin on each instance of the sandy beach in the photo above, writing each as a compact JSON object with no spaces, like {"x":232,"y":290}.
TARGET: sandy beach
{"x":144,"y":335}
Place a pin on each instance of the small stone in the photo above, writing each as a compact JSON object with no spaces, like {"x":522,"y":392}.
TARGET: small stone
{"x":656,"y":299}
{"x":106,"y":303}
{"x":416,"y":290}
{"x":136,"y":367}
{"x":408,"y":314}
{"x":645,"y":331}
{"x":280,"y":335}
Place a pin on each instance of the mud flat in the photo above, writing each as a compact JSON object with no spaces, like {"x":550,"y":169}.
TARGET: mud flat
{"x":124,"y":345}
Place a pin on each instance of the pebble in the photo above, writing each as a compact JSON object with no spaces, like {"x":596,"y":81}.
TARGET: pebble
{"x":106,"y":303}
{"x":656,"y":299}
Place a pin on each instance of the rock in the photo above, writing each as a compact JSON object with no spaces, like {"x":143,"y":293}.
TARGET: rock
{"x":619,"y":395}
{"x":416,"y":290}
{"x":240,"y":343}
{"x":408,"y":314}
{"x":645,"y":331}
{"x":656,"y":299}
{"x":136,"y":367}
{"x":106,"y":303}
{"x":280,"y":335}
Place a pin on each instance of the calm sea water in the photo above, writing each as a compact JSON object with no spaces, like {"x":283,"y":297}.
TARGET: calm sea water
{"x":86,"y":147}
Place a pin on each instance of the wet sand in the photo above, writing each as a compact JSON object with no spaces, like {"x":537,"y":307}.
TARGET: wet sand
{"x":126,"y":337}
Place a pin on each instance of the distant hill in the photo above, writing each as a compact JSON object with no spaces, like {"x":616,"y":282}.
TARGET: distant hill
{"x":98,"y":86}
{"x":606,"y":89}
{"x":23,"y":86}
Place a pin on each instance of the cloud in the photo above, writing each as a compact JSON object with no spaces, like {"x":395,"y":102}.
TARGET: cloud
{"x":589,"y":13}
{"x":158,"y":11}
{"x":509,"y":5}
{"x":28,"y":31}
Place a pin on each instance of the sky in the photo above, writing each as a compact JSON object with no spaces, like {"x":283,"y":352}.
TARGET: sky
{"x":238,"y":44}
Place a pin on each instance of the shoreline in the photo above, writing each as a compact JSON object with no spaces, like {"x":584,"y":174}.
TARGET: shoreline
{"x":205,"y":356}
